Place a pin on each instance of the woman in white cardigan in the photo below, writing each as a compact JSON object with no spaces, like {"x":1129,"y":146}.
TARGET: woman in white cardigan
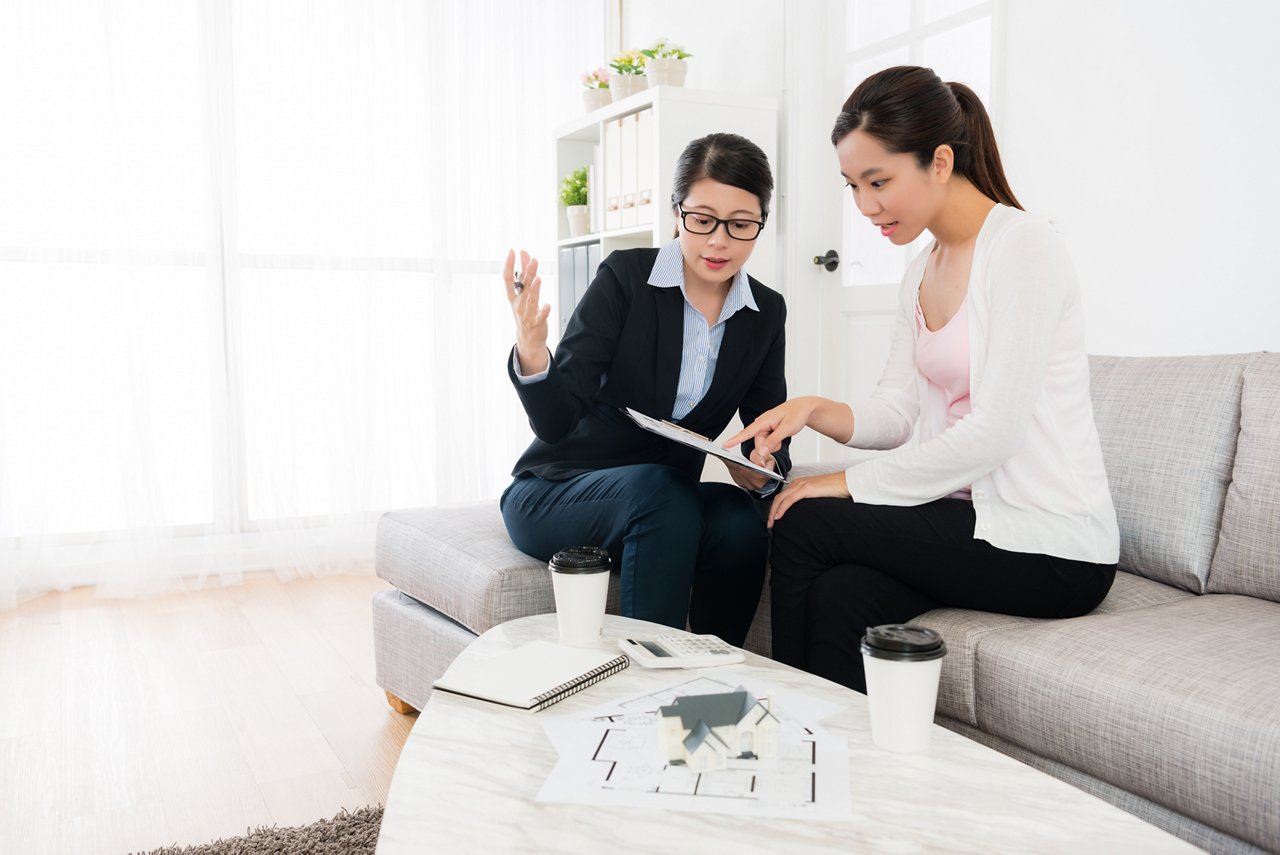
{"x":993,"y":495}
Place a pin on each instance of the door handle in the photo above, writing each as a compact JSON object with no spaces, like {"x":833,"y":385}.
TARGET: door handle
{"x":830,"y":261}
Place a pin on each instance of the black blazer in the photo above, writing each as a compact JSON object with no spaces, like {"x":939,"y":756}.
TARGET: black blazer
{"x":622,"y":348}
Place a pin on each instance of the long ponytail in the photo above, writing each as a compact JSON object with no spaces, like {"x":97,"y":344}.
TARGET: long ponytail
{"x":979,"y":160}
{"x":909,"y":109}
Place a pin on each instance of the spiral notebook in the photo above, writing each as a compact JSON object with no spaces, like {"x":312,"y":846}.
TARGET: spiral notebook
{"x":533,"y":676}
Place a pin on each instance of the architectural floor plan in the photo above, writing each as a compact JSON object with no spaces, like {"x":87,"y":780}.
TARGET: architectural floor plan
{"x":614,"y":755}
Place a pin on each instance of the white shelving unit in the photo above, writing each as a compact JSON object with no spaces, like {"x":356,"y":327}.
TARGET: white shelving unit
{"x":678,"y":116}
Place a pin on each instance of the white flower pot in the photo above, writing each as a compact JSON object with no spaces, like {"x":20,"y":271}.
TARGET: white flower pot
{"x":666,"y":72}
{"x":622,"y":85}
{"x":594,"y":99}
{"x":578,"y":219}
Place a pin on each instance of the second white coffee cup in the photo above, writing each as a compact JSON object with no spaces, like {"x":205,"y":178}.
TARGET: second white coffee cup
{"x":902,"y":664}
{"x":580,"y":580}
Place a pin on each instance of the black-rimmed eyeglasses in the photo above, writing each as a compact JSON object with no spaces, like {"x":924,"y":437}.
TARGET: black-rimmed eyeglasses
{"x":704,"y":224}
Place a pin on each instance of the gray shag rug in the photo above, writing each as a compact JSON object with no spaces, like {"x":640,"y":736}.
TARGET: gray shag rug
{"x":345,"y":834}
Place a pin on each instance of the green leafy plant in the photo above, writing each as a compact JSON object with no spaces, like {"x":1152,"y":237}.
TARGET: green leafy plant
{"x":573,"y":189}
{"x":663,"y":49}
{"x":628,"y":62}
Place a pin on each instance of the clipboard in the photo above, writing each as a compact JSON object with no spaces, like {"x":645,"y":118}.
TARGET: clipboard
{"x":684,"y":436}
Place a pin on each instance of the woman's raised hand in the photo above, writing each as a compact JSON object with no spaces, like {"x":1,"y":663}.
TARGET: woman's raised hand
{"x":530,"y":314}
{"x":772,"y":427}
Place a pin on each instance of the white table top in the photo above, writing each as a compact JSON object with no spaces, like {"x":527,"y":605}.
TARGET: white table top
{"x":470,"y":771}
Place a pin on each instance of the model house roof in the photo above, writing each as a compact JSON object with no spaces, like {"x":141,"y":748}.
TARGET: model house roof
{"x":702,"y":735}
{"x":761,"y":713}
{"x":714,"y":710}
{"x":701,"y":715}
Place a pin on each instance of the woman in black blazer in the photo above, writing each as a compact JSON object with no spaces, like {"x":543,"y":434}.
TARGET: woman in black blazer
{"x":679,"y":333}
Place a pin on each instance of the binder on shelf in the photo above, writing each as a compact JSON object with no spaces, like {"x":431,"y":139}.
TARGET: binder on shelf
{"x":596,"y":199}
{"x":565,"y":287}
{"x":592,"y":196}
{"x":533,"y":676}
{"x":644,"y":167}
{"x":581,"y":276}
{"x":613,"y":174}
{"x":593,"y":261}
{"x":628,"y":167}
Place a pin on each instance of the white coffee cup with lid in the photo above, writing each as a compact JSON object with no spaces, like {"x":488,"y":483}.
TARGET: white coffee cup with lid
{"x":580,"y":580}
{"x":903,"y":664}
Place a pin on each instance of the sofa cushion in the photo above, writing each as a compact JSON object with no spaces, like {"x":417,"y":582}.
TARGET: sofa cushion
{"x":1178,"y":703}
{"x":1248,"y":556}
{"x":460,"y":561}
{"x":963,"y":630}
{"x":1131,"y":592}
{"x":1168,"y":428}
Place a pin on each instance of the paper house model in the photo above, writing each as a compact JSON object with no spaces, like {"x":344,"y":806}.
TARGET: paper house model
{"x":705,"y":732}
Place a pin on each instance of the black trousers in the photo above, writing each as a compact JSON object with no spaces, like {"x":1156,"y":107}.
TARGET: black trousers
{"x":841,"y":566}
{"x":683,"y":548}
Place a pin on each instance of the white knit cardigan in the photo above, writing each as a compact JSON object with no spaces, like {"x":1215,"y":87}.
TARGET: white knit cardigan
{"x":1029,"y":448}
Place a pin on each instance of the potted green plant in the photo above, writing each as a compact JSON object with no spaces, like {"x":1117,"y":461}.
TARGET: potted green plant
{"x":596,"y":95}
{"x":665,"y":63}
{"x":573,"y":195}
{"x":628,"y":74}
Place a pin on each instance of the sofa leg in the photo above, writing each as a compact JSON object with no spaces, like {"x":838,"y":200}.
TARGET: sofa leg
{"x":400,"y":706}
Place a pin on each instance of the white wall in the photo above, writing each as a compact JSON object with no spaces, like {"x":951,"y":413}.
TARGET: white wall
{"x":1143,"y":127}
{"x":736,"y":47}
{"x":1148,"y":130}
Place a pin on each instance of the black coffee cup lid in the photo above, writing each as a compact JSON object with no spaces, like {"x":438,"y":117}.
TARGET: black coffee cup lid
{"x":903,"y":642}
{"x":581,"y":559}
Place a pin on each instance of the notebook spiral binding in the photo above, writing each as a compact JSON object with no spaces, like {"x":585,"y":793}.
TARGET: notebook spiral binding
{"x":564,"y":690}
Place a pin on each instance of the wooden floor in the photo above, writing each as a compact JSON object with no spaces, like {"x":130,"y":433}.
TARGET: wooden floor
{"x":131,"y":724}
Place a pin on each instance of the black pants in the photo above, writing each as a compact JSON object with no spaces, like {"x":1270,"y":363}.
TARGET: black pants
{"x":841,"y":566}
{"x":683,"y":547}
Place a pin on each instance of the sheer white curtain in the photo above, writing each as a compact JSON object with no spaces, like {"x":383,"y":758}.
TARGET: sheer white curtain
{"x":247,"y":273}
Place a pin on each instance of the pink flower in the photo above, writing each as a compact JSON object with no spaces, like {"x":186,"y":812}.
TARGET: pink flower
{"x":598,"y":79}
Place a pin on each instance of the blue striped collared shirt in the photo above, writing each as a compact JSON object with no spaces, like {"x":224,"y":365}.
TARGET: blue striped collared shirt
{"x":701,"y":349}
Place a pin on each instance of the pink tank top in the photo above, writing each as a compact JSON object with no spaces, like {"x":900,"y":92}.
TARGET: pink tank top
{"x":942,"y":356}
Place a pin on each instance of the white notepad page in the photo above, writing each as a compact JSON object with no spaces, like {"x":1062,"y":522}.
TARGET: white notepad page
{"x":532,"y":676}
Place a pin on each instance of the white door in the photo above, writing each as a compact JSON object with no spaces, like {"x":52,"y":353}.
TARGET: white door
{"x":839,"y":321}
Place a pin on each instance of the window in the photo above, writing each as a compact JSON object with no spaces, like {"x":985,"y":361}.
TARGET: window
{"x":954,"y":38}
{"x":243,"y":308}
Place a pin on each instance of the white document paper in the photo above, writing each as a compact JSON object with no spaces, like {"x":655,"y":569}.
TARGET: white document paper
{"x":696,"y":440}
{"x":611,"y":755}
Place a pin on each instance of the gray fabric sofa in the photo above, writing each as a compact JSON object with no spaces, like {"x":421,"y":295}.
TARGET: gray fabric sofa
{"x":1164,"y":701}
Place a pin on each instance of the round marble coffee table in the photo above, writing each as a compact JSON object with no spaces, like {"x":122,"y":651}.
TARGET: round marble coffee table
{"x":470,"y":771}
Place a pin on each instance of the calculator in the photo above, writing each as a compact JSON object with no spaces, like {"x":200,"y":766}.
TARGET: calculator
{"x":680,"y":651}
